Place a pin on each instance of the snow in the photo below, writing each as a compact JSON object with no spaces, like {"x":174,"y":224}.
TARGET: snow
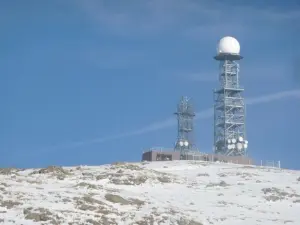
{"x":173,"y":192}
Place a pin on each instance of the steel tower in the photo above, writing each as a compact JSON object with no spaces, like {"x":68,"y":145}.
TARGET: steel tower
{"x":185,"y":117}
{"x":229,"y":106}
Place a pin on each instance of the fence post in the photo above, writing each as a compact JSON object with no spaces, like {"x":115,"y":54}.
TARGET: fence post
{"x":279,"y":164}
{"x":261,"y":164}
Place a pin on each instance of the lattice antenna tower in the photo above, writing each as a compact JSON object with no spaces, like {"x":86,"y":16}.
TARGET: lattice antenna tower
{"x":185,"y":129}
{"x":229,"y":105}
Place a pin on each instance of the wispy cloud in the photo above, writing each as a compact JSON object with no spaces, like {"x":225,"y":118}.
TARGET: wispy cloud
{"x":204,"y":114}
{"x":201,"y":77}
{"x":196,"y":77}
{"x":281,"y":70}
{"x":193,"y":18}
{"x":273,"y":97}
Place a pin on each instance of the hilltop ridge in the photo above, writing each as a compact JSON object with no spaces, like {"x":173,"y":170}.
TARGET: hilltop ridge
{"x":173,"y":192}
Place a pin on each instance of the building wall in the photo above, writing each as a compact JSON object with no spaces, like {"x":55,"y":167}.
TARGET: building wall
{"x":170,"y":155}
{"x":160,"y":156}
{"x":147,"y":156}
{"x":231,"y":159}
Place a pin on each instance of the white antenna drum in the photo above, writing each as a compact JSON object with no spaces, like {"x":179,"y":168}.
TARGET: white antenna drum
{"x":239,"y":146}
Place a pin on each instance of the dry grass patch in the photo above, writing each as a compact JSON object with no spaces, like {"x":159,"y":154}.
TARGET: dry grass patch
{"x":129,"y":180}
{"x":203,"y":175}
{"x":52,"y":170}
{"x":87,"y":185}
{"x":275,"y":194}
{"x":184,"y":221}
{"x":40,"y":215}
{"x":88,"y":203}
{"x":120,"y":200}
{"x":9,"y":171}
{"x":9,"y":204}
{"x":123,"y":165}
{"x":220,"y":184}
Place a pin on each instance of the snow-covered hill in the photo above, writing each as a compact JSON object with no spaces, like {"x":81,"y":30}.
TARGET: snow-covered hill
{"x":176,"y":192}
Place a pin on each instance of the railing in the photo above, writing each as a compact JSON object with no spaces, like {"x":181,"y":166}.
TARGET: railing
{"x":270,"y":163}
{"x":161,"y":149}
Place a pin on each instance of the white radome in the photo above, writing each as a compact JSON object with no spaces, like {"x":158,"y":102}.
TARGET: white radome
{"x":229,"y":141}
{"x":186,"y":143}
{"x":241,"y":139}
{"x":239,"y":146}
{"x":181,"y":143}
{"x":228,"y":45}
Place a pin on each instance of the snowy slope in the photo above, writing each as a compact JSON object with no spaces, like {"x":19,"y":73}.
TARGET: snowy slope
{"x":177,"y":192}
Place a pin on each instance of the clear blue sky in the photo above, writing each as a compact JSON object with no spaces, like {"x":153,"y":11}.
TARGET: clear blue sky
{"x":92,"y":82}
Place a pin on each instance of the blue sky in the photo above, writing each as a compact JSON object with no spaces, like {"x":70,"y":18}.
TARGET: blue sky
{"x":92,"y":82}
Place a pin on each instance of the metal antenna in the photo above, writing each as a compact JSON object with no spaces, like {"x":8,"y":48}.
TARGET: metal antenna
{"x":229,"y":106}
{"x":185,"y":118}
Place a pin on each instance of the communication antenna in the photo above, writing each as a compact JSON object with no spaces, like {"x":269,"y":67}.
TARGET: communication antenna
{"x":185,"y":119}
{"x":229,"y":106}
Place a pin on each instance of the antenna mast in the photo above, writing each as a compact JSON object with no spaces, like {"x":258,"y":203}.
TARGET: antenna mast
{"x":185,"y":118}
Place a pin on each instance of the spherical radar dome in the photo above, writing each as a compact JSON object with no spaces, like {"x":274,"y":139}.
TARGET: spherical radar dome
{"x":228,"y":45}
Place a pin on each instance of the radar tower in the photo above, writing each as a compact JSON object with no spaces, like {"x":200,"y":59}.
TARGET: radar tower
{"x":229,"y":105}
